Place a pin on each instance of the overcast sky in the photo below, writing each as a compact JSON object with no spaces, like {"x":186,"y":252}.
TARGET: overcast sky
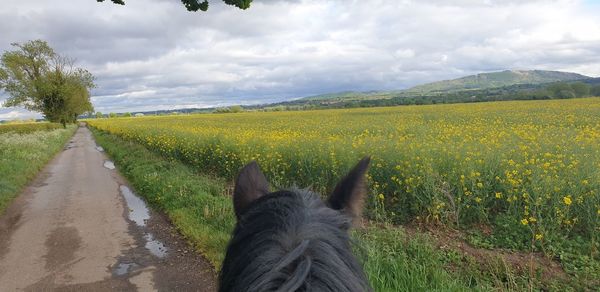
{"x":153,"y":54}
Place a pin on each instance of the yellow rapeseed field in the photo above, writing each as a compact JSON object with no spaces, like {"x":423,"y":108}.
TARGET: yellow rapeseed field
{"x":530,"y":167}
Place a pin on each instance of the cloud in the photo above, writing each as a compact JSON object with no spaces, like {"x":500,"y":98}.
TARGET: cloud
{"x":13,"y":114}
{"x":154,"y":54}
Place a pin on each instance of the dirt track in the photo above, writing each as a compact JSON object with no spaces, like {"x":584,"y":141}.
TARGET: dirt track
{"x":77,"y":228}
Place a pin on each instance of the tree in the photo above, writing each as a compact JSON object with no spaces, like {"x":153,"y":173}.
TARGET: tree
{"x":581,"y":89}
{"x":195,"y":5}
{"x":222,"y":110}
{"x":561,"y":90}
{"x":99,"y":115}
{"x":38,"y":79}
{"x":236,"y":109}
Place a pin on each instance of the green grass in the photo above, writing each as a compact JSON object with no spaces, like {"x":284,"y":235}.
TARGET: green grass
{"x":392,"y":259}
{"x":395,"y":262}
{"x":22,"y":156}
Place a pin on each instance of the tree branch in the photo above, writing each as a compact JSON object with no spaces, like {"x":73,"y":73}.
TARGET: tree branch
{"x":195,"y":5}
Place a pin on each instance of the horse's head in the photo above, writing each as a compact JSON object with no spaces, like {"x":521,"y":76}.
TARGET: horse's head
{"x":291,"y":240}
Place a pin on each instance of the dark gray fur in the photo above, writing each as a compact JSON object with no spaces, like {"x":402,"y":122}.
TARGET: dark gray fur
{"x":291,"y":241}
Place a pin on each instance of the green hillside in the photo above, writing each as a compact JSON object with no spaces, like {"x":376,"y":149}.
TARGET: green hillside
{"x":530,"y":78}
{"x":352,"y":95}
{"x":529,"y":91}
{"x":495,"y":79}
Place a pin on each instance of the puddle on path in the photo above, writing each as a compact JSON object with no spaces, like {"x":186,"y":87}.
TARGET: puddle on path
{"x":155,"y":247}
{"x":124,"y":268}
{"x":139,"y":213}
{"x":109,"y":164}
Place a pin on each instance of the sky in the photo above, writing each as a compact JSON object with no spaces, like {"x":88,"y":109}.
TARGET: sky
{"x":155,"y":55}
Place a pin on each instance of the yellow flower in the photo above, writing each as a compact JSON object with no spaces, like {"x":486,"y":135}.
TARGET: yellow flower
{"x":539,"y":156}
{"x":539,"y":236}
{"x":567,"y":200}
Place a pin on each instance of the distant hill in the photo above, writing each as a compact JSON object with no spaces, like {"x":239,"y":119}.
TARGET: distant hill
{"x":495,"y":79}
{"x":352,"y":95}
{"x":496,"y":86}
{"x":472,"y":82}
{"x":570,"y":88}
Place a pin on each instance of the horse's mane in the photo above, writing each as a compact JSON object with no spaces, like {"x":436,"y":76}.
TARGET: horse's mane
{"x":291,"y":241}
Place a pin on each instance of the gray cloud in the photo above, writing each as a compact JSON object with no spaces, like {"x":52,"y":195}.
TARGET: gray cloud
{"x":154,"y":54}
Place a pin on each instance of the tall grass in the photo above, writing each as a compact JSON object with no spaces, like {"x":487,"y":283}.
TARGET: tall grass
{"x":22,"y":156}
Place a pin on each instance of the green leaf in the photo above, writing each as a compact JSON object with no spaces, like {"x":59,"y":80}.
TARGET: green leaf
{"x":242,"y":4}
{"x":195,"y":5}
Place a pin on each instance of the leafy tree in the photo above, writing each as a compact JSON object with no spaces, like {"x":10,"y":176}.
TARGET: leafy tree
{"x":236,"y":109}
{"x":195,"y":5}
{"x":581,"y":89}
{"x":561,"y":90}
{"x":127,"y":115}
{"x":112,"y":115}
{"x":99,"y":115}
{"x":38,"y":79}
{"x":228,"y":110}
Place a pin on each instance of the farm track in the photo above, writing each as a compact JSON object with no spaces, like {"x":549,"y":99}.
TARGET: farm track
{"x":77,"y":228}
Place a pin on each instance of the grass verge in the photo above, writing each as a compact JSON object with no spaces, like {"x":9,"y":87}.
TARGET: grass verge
{"x":22,"y":156}
{"x":394,"y":259}
{"x":192,"y":201}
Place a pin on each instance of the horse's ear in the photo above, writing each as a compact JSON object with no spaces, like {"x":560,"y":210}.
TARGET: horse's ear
{"x":250,"y":185}
{"x":349,"y":194}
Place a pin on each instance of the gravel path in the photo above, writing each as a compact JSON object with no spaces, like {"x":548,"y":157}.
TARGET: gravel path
{"x":78,"y":227}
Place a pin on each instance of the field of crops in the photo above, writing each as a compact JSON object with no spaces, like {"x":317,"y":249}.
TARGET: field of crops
{"x":23,"y":128}
{"x":529,"y":170}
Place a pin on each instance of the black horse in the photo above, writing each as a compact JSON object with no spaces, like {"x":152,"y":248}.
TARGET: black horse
{"x":290,"y":240}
